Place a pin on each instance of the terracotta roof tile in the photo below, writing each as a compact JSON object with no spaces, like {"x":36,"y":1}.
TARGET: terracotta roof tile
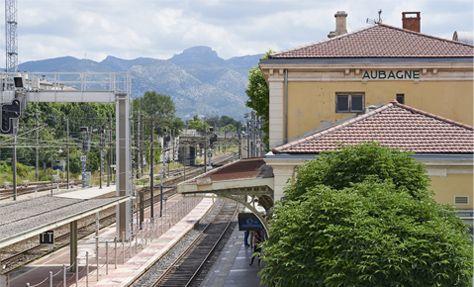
{"x":393,"y":125}
{"x":381,"y":41}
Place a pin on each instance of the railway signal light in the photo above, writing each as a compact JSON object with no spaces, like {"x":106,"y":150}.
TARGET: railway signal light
{"x":9,"y":113}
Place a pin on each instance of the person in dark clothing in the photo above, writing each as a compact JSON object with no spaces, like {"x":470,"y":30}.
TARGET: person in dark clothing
{"x":257,"y":240}
{"x":246,"y":238}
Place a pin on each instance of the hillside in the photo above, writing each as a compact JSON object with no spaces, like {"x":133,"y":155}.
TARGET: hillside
{"x":198,"y":80}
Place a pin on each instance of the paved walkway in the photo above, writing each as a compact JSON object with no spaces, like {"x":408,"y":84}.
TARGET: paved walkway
{"x":232,"y":267}
{"x":125,"y":274}
{"x":131,"y":257}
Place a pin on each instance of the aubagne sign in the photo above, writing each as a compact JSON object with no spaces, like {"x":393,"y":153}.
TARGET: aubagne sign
{"x":391,"y":75}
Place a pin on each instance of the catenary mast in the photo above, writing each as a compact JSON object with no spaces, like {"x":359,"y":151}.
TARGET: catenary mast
{"x":11,"y":24}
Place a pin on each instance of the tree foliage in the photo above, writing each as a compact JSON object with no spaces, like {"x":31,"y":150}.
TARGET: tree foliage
{"x":369,"y":234}
{"x":354,"y":164}
{"x":374,"y":228}
{"x":158,"y":106}
{"x":198,"y":124}
{"x":258,"y":96}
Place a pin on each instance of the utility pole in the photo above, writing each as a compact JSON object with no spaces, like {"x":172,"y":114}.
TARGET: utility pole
{"x":37,"y":147}
{"x":142,"y":140}
{"x":239,"y":138}
{"x":205,"y":151}
{"x":101,"y":147}
{"x":109,"y":166}
{"x":139,"y":146}
{"x":248,"y":139}
{"x":152,"y":213}
{"x":14,"y":166}
{"x":161,"y":190}
{"x":253,"y":127}
{"x":67,"y":153}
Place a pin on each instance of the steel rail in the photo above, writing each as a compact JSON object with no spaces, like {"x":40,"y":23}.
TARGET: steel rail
{"x":195,"y":244}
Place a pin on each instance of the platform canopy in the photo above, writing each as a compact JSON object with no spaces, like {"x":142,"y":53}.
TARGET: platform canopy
{"x":27,"y":218}
{"x":248,"y":181}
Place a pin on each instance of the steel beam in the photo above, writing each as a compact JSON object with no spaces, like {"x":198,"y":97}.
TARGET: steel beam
{"x":72,"y":245}
{"x":123,"y":174}
{"x":53,"y":96}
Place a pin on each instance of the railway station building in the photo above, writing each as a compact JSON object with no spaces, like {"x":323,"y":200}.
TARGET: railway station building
{"x":396,"y":86}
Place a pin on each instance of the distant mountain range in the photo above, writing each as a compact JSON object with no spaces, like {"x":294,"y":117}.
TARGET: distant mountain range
{"x":198,"y":80}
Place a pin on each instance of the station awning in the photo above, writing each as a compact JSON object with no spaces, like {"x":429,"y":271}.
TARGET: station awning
{"x":248,"y":181}
{"x":24,"y":219}
{"x":246,"y":176}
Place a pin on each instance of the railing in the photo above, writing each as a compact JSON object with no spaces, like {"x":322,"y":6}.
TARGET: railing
{"x":70,"y":81}
{"x":113,"y":253}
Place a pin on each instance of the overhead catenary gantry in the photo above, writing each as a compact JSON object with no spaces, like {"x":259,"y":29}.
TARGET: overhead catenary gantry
{"x":85,"y":88}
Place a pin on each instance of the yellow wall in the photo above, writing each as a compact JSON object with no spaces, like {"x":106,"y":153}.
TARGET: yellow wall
{"x":446,"y":187}
{"x":309,"y":103}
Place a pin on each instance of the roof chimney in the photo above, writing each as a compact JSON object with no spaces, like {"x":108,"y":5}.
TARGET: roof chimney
{"x":411,"y":21}
{"x":340,"y":24}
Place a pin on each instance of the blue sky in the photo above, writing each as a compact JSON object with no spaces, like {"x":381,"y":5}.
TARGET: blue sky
{"x":94,"y":29}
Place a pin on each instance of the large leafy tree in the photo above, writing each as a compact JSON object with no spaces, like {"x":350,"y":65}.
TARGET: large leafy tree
{"x":258,"y":96}
{"x":353,"y":164}
{"x":373,"y":230}
{"x":158,"y":106}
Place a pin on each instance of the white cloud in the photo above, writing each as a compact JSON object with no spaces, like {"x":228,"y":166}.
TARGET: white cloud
{"x":128,"y":28}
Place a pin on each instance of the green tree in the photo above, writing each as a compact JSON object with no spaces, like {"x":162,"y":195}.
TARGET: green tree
{"x":354,"y":164}
{"x":369,"y":234}
{"x":258,"y":96}
{"x":198,"y":124}
{"x":158,"y":106}
{"x":228,"y":128}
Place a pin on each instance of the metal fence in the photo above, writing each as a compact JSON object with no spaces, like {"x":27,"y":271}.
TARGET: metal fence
{"x":110,"y":254}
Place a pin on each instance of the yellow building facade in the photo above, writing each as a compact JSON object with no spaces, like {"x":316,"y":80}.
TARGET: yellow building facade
{"x":317,"y":86}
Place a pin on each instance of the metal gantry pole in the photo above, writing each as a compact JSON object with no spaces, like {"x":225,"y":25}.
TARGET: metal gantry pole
{"x":205,"y":151}
{"x":14,"y":167}
{"x":248,"y":138}
{"x":67,"y":153}
{"x":37,"y":148}
{"x":161,"y":193}
{"x":101,"y":155}
{"x":152,"y":213}
{"x":109,"y":167}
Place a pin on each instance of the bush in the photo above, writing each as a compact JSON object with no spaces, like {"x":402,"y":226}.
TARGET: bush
{"x":370,"y":234}
{"x":354,"y":164}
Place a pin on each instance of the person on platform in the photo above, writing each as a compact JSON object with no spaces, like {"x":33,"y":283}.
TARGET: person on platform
{"x":246,"y":238}
{"x":257,"y":240}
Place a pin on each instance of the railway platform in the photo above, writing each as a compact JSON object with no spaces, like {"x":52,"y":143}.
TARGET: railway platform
{"x":121,"y":265}
{"x":232,"y":268}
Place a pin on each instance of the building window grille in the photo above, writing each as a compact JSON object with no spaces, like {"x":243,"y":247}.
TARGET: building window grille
{"x":349,"y":102}
{"x":461,"y":199}
{"x":401,"y":98}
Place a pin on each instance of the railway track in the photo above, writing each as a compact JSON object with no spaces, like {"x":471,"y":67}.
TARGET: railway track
{"x":188,"y":266}
{"x":44,"y":186}
{"x":15,"y":260}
